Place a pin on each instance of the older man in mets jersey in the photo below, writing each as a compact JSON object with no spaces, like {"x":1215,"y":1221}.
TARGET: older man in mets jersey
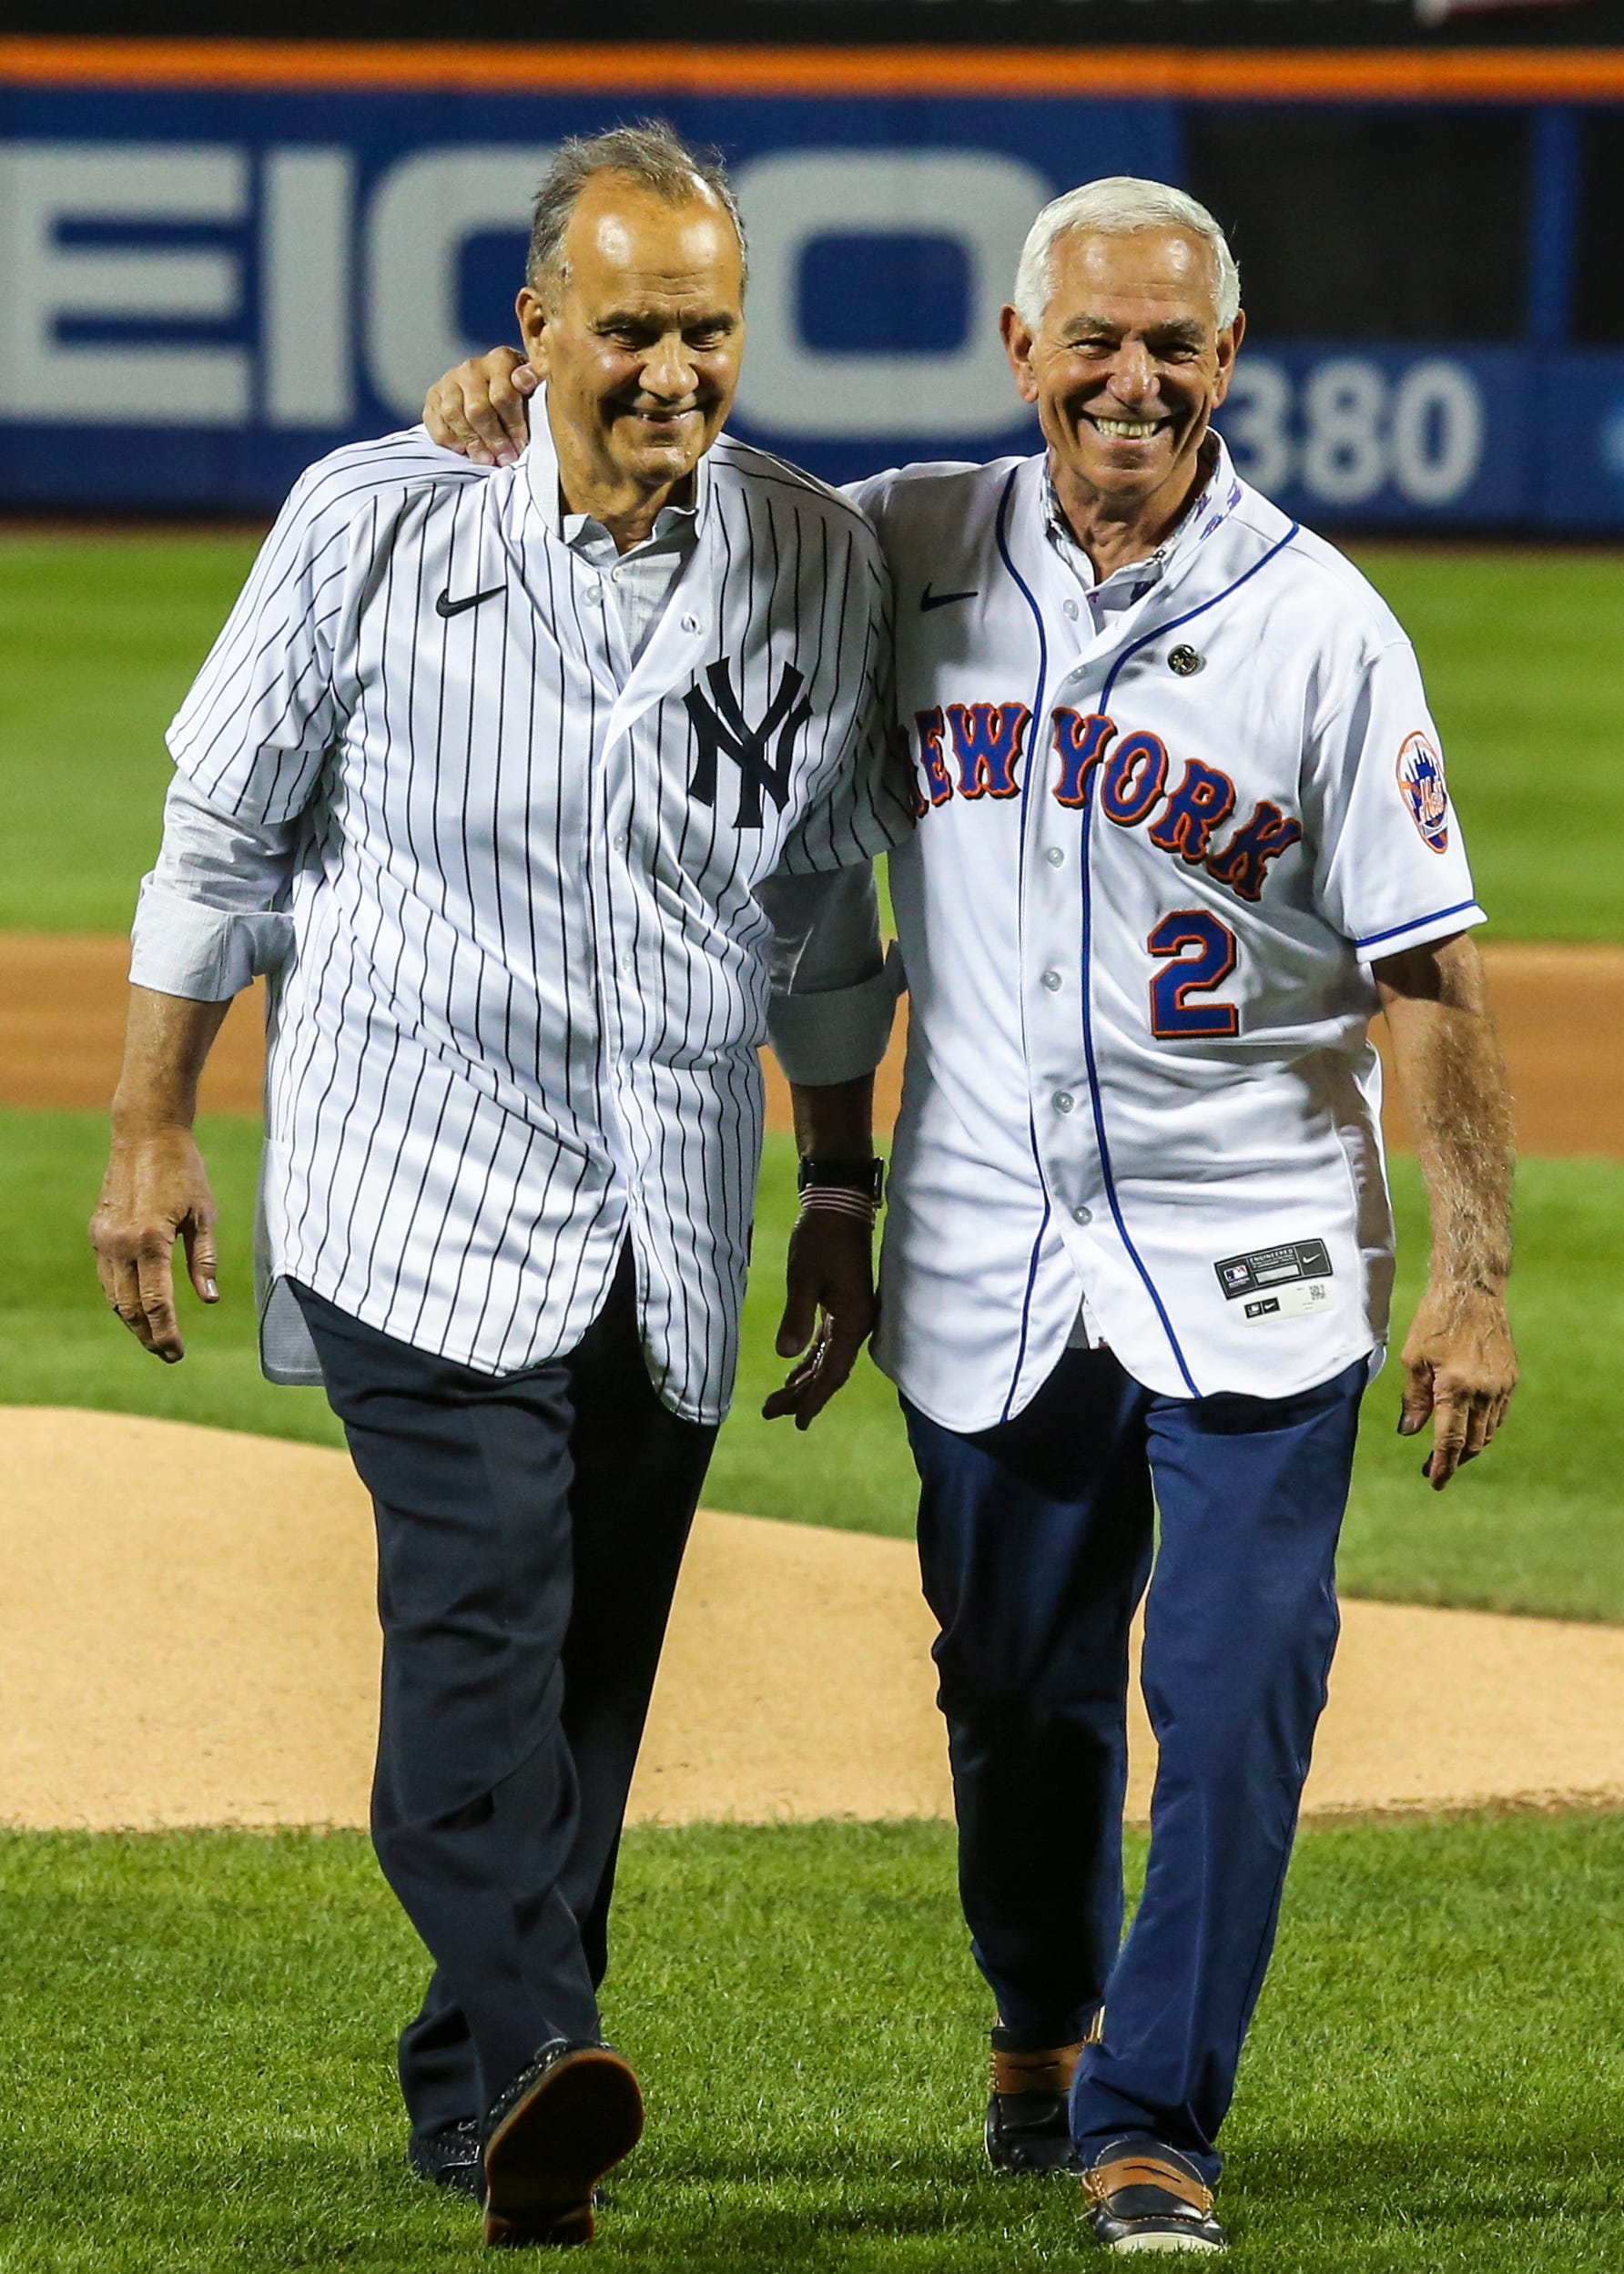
{"x":1183,"y":829}
{"x":519,"y":785}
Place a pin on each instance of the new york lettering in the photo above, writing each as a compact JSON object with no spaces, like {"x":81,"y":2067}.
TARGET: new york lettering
{"x":986,"y":740}
{"x":1134,"y":772}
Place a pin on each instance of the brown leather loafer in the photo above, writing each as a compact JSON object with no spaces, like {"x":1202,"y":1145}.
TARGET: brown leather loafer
{"x":1029,"y":2123}
{"x":560,"y":2125}
{"x":1141,"y":2195}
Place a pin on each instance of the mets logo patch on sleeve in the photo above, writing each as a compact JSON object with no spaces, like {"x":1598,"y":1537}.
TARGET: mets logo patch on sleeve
{"x":1421,"y":779}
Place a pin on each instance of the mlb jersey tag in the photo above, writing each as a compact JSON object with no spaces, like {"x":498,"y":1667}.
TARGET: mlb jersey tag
{"x":1299,"y":1299}
{"x":1268,"y":1267}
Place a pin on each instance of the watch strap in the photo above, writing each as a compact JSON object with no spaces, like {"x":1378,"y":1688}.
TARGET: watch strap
{"x":825,"y":1173}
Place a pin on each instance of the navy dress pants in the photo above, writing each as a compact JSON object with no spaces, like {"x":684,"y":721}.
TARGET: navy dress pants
{"x":529,"y":1530}
{"x":1035,"y":1544}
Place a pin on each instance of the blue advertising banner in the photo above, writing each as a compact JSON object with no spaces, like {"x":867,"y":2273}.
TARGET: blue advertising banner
{"x":201,"y":292}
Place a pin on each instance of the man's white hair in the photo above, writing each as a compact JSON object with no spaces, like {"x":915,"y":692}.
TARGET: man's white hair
{"x":1119,"y":206}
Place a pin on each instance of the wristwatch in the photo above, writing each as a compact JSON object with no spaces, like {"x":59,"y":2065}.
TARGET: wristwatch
{"x":867,"y":1178}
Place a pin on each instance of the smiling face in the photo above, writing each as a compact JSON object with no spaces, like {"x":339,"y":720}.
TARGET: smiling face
{"x":639,"y":340}
{"x":1126,"y":367}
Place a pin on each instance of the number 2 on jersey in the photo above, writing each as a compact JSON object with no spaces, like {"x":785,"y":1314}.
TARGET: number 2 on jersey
{"x":1173,"y":1014}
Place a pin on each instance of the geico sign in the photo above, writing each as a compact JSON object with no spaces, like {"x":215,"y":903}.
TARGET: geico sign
{"x":324,"y":290}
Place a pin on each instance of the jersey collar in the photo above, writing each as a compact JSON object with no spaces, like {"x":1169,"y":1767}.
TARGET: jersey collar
{"x":1051,"y":583}
{"x":1211,"y":507}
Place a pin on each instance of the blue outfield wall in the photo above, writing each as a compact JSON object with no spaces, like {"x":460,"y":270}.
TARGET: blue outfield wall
{"x":200,"y":292}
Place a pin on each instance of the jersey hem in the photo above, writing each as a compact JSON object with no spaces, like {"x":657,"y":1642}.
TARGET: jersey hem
{"x":1374,"y":1348}
{"x":289,"y":1374}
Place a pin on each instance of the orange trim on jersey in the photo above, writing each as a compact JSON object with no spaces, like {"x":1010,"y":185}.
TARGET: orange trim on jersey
{"x":1576,"y":74}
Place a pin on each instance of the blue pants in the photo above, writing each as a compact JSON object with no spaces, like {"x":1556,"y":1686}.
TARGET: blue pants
{"x":1035,"y":1545}
{"x":529,"y":1530}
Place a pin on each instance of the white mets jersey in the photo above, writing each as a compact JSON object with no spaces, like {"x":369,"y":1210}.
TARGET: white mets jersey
{"x":1156,"y":856}
{"x":519,"y":1020}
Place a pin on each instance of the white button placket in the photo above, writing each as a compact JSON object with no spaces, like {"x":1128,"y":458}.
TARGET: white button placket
{"x":1051,"y":935}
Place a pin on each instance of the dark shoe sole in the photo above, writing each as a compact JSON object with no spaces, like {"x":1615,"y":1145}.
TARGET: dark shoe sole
{"x":548,"y":2154}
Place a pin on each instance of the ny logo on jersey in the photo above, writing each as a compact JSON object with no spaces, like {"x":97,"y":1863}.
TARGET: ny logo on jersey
{"x":719,"y":724}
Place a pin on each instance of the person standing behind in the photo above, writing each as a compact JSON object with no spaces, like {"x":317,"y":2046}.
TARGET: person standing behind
{"x":1183,"y":829}
{"x":517,"y":785}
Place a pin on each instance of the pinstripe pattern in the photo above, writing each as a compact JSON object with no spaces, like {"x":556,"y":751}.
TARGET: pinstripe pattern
{"x":520,"y":1017}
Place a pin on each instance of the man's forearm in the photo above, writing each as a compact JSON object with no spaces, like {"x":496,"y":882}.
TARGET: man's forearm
{"x":835,"y":1122}
{"x":1452,"y":1078}
{"x":166,"y":1040}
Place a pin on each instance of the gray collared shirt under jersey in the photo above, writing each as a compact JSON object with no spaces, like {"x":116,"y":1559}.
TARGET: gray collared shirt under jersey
{"x":638,"y":582}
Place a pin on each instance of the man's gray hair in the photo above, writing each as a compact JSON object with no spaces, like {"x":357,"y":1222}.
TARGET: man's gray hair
{"x":651,"y":154}
{"x":1119,"y":206}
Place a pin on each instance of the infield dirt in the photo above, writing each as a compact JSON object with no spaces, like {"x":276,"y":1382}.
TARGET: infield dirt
{"x":1560,"y":1011}
{"x":188,"y":1637}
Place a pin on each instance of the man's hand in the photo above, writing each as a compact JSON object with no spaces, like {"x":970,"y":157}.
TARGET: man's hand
{"x":155,"y":1192}
{"x":829,"y":1313}
{"x":1459,"y":1368}
{"x":480,"y":408}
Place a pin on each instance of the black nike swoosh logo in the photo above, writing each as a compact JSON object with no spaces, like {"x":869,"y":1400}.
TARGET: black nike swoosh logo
{"x":929,"y":600}
{"x":446,"y":606}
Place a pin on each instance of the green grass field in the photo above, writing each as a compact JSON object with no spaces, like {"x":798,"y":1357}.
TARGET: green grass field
{"x":198,"y":2068}
{"x":99,"y":638}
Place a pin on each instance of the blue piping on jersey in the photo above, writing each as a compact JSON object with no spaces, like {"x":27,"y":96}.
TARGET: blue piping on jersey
{"x":1033,"y":760}
{"x":1133,"y":648}
{"x":1374,"y":938}
{"x":1128,"y":653}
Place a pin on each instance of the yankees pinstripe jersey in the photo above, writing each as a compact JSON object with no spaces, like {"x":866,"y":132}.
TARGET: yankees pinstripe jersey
{"x":1161,"y":841}
{"x":527,"y":978}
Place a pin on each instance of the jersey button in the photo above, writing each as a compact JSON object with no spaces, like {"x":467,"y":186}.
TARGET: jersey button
{"x":1082,"y":1216}
{"x":1068,"y":608}
{"x":620,"y":840}
{"x":690,"y":624}
{"x":1051,"y":980}
{"x":594,"y":595}
{"x":1063,"y":1101}
{"x":1054,"y":856}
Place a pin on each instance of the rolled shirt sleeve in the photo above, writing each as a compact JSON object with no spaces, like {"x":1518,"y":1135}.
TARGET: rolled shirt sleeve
{"x":834,"y":992}
{"x":208,"y":920}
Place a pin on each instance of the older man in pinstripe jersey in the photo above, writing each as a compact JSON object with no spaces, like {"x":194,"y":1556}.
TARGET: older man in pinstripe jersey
{"x":522,"y":787}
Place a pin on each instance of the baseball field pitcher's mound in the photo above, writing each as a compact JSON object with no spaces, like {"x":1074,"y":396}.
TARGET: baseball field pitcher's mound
{"x":188,"y":1637}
